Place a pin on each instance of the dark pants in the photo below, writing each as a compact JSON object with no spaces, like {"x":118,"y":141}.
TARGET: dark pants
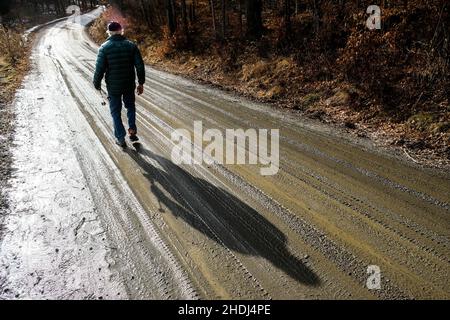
{"x":115,"y":106}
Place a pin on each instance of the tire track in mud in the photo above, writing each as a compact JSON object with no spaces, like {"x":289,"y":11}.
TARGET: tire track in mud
{"x":364,"y":208}
{"x":349,"y":204}
{"x":239,"y":263}
{"x":434,"y":238}
{"x":165,"y":274}
{"x":385,"y":181}
{"x":419,"y":230}
{"x":357,"y":201}
{"x":334,"y":197}
{"x":402,"y":219}
{"x":90,"y":118}
{"x":347,"y":262}
{"x":272,"y":115}
{"x":218,"y":239}
{"x":93,"y":123}
{"x":315,"y":176}
{"x":183,"y":200}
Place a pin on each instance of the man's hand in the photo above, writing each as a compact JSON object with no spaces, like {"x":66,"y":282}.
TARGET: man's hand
{"x":103,"y":98}
{"x":140,"y":89}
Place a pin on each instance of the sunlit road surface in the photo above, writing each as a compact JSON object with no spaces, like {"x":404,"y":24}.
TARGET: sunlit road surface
{"x":135,"y":225}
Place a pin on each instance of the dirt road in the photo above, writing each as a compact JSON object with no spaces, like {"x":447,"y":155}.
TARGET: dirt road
{"x":89,"y":220}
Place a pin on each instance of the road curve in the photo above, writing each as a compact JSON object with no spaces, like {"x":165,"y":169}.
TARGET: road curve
{"x":335,"y":207}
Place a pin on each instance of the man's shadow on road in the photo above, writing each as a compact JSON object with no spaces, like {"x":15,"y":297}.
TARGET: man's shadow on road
{"x":219,"y":215}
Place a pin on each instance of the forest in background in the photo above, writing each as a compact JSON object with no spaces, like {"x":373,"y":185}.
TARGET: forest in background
{"x":316,"y":56}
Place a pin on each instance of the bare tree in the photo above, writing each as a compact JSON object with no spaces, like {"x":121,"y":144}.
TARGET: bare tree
{"x":254,"y":18}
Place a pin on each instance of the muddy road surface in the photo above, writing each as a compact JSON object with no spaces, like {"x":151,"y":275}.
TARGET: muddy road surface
{"x":89,"y":220}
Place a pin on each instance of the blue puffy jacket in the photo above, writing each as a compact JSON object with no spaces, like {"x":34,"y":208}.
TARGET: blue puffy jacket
{"x":118,"y":58}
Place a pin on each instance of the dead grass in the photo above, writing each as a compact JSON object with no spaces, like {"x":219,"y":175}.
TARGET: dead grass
{"x":11,"y":77}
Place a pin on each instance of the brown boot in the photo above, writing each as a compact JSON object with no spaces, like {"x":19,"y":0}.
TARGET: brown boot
{"x":133,"y":136}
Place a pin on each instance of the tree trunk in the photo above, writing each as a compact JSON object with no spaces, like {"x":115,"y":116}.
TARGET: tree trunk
{"x":145,"y":14}
{"x":224,"y":16}
{"x":317,"y":4}
{"x":213,"y":15}
{"x":170,"y":17}
{"x":240,"y":15}
{"x":254,"y":19}
{"x":184,"y":18}
{"x":287,"y":17}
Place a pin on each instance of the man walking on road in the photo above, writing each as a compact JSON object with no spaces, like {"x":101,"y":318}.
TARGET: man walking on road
{"x":118,"y":58}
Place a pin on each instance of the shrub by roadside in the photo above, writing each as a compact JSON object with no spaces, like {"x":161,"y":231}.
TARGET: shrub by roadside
{"x":14,"y":64}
